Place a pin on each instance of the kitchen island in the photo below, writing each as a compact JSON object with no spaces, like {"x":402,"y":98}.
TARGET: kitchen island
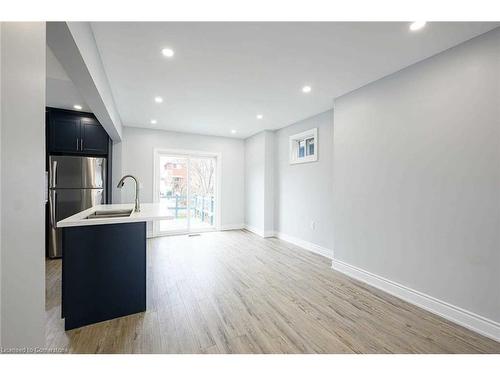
{"x":104,"y":262}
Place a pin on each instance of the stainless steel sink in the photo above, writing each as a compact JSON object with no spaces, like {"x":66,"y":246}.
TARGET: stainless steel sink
{"x":103,"y":214}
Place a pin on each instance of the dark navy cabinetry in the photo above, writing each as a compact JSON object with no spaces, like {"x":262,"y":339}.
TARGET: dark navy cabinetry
{"x":94,"y":139}
{"x":76,"y":133}
{"x":103,"y":272}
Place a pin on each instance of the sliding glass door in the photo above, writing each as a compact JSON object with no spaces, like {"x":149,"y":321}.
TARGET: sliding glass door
{"x":186,"y":184}
{"x":173,"y":190}
{"x":202,"y":193}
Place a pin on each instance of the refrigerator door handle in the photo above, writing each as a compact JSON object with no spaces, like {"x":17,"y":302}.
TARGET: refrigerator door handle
{"x":52,"y":207}
{"x":53,"y":176}
{"x":46,"y":187}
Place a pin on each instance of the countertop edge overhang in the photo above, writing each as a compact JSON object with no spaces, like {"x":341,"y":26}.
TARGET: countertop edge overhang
{"x":149,"y":212}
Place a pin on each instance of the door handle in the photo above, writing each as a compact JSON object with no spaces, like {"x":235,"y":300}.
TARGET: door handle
{"x":46,"y":187}
{"x":52,"y":204}
{"x":53,"y":183}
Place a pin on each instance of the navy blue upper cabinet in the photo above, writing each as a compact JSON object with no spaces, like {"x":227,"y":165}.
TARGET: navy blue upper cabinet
{"x":64,"y":132}
{"x":94,"y":139}
{"x":75,"y":133}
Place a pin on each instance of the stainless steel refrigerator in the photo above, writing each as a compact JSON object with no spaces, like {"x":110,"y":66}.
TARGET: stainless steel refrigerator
{"x":75,"y":184}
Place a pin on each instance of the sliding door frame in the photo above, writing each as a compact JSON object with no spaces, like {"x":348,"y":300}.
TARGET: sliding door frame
{"x":157,"y":153}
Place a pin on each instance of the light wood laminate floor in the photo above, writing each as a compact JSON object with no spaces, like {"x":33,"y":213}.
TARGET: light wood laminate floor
{"x":234,"y":292}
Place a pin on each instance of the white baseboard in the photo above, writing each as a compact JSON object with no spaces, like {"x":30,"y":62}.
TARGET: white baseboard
{"x":467,"y":319}
{"x":232,"y":226}
{"x":296,"y":241}
{"x":269,"y":233}
{"x":150,"y":234}
{"x":306,"y":245}
{"x":255,"y":230}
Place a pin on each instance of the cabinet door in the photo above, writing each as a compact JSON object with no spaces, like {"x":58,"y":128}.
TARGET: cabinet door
{"x":94,"y":137}
{"x":64,"y":133}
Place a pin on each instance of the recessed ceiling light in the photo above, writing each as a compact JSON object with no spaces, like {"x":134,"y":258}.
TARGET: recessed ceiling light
{"x":158,"y":99}
{"x":153,"y":122}
{"x":417,"y":25}
{"x":260,"y":117}
{"x":77,"y":106}
{"x":306,"y":89}
{"x":167,"y":52}
{"x":233,"y":131}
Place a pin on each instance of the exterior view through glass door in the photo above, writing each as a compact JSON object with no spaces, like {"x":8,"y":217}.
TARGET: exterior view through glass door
{"x":202,"y":193}
{"x":186,"y":184}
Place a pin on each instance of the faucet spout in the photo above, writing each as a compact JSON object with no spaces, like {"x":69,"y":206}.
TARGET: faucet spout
{"x":122,"y":182}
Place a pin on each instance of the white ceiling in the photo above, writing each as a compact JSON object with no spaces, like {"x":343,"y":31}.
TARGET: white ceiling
{"x":60,"y":90}
{"x":224,"y":74}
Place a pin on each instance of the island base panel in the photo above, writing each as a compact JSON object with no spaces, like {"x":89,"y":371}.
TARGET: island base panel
{"x":104,"y":272}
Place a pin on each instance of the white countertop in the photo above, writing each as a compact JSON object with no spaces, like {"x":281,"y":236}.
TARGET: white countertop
{"x":149,"y":212}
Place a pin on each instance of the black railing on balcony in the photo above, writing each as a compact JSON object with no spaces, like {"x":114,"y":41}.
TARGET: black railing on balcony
{"x":201,"y":207}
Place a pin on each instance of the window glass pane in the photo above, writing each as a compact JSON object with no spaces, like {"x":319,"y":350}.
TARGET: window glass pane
{"x":173,"y":192}
{"x":310,"y":146}
{"x":202,"y":192}
{"x":191,"y":208}
{"x":302,"y":148}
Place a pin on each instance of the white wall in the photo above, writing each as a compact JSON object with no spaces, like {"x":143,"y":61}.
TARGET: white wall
{"x":259,"y":194}
{"x":116,"y":171}
{"x":254,"y":182}
{"x":269,"y":154}
{"x":60,"y":91}
{"x":22,"y":184}
{"x":417,"y":177}
{"x":303,"y":192}
{"x":0,"y":183}
{"x":136,"y":152}
{"x":74,"y":46}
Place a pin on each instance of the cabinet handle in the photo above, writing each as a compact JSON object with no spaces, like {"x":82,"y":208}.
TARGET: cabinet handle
{"x":77,"y":144}
{"x":81,"y":144}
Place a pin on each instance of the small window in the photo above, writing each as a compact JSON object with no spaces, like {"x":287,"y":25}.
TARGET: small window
{"x":303,"y":147}
{"x":310,"y":146}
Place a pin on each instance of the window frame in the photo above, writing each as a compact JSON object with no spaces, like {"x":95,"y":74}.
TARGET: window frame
{"x":294,"y":141}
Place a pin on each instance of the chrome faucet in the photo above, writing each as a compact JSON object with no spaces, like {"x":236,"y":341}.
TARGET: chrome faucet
{"x":120,"y":185}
